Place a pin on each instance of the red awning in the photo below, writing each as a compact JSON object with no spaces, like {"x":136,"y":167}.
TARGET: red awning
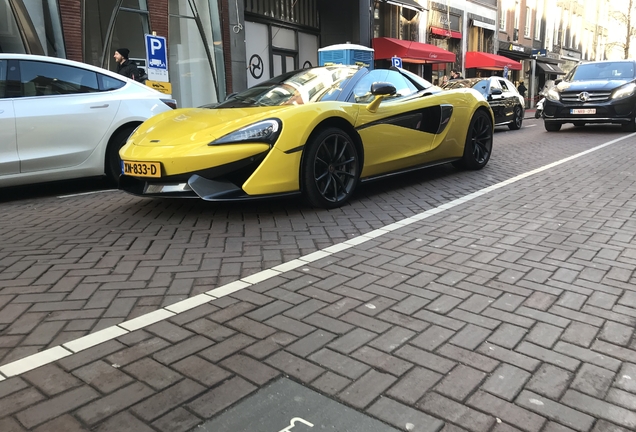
{"x":481,"y":60}
{"x":410,"y":52}
{"x":447,"y":33}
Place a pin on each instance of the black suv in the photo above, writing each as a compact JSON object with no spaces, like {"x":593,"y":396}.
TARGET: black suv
{"x":594,"y":92}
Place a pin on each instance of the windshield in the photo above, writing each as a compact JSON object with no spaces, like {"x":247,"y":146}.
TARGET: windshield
{"x":603,"y":71}
{"x":295,"y":88}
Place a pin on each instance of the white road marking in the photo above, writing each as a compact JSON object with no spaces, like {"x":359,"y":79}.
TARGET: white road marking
{"x":87,"y":193}
{"x":527,"y":126}
{"x":55,"y":353}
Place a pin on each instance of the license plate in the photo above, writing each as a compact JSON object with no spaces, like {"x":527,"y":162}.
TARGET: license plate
{"x":142,"y":169}
{"x":583,"y":111}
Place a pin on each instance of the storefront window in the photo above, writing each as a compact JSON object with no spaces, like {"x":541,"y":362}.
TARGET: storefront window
{"x":196,"y":52}
{"x":107,"y":28}
{"x":10,"y":40}
{"x":46,"y":21}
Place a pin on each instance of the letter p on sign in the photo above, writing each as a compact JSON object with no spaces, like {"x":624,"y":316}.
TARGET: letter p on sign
{"x":155,"y":44}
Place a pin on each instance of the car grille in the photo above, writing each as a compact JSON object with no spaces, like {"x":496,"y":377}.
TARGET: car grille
{"x":594,"y":96}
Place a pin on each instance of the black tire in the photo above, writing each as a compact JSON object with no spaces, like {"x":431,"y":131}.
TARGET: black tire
{"x":629,"y":127}
{"x":537,"y":114}
{"x":579,"y":124}
{"x":517,"y":120}
{"x":478,"y":146}
{"x":552,"y":126}
{"x":113,"y":161}
{"x":330,"y":168}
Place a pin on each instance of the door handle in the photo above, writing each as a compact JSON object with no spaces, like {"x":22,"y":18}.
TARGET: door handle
{"x":100,"y":106}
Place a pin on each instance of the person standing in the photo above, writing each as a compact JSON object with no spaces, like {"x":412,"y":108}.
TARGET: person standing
{"x":522,"y":89}
{"x":125,"y":66}
{"x":456,"y":75}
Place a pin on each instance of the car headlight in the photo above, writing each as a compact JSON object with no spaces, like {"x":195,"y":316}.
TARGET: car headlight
{"x":553,"y":95}
{"x":625,"y":91}
{"x":265,"y":131}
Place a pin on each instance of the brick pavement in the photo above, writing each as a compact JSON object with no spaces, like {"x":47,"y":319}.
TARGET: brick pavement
{"x":514,"y":311}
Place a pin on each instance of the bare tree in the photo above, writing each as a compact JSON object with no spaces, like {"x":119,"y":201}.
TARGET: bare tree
{"x":624,"y":19}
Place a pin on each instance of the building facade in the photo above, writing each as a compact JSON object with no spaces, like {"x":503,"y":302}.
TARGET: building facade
{"x":217,"y":47}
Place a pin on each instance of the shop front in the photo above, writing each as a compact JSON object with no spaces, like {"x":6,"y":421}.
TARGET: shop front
{"x":412,"y":52}
{"x":522,"y":54}
{"x":91,"y":30}
{"x":445,"y":32}
{"x":548,"y":68}
{"x":481,"y":64}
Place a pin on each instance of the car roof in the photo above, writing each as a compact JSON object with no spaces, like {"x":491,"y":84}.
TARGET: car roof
{"x":62,"y":61}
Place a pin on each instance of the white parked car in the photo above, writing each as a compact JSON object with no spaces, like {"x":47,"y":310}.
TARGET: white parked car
{"x":61,"y":119}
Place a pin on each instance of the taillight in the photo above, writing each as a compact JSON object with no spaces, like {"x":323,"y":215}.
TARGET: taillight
{"x":170,"y":102}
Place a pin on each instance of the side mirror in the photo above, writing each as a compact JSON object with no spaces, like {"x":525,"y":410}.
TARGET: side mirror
{"x":383,"y":89}
{"x":496,"y":91}
{"x":557,"y":81}
{"x":380,"y":90}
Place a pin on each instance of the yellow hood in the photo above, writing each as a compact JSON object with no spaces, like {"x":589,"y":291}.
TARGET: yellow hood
{"x":188,"y":126}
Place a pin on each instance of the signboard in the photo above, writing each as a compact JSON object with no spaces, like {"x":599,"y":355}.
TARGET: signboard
{"x":286,"y":406}
{"x":396,"y":61}
{"x":163,"y":87}
{"x":156,"y":58}
{"x":505,"y":72}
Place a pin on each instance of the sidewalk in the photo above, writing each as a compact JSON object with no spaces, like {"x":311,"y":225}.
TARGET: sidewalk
{"x":512,"y":308}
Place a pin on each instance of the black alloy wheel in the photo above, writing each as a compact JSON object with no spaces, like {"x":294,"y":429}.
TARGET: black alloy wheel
{"x":517,"y":120}
{"x":330,"y":169}
{"x":629,"y":127}
{"x":478,"y":146}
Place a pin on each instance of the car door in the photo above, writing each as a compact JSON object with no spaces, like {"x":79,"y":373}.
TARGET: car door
{"x":511,"y":98}
{"x":497,"y":101}
{"x":61,"y":117}
{"x":393,"y":135}
{"x":9,"y":162}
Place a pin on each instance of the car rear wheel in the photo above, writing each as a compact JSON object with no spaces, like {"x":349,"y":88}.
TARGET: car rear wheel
{"x":330,"y":169}
{"x":517,"y":120}
{"x":113,"y":161}
{"x":478,"y":146}
{"x":552,"y":126}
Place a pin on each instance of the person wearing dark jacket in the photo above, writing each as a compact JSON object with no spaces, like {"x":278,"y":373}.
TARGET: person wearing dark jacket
{"x":126,"y":67}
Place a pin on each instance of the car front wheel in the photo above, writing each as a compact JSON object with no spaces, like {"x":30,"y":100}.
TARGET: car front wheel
{"x":478,"y":145}
{"x":330,"y":169}
{"x":517,"y":120}
{"x":552,"y":126}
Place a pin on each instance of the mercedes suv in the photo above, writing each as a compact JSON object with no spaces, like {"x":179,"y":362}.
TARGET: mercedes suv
{"x":594,"y":92}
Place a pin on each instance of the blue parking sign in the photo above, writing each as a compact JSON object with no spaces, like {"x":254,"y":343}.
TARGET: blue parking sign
{"x":396,"y":61}
{"x":156,"y":58}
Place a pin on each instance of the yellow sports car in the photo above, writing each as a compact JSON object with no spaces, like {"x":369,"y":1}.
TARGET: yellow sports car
{"x":316,"y":132}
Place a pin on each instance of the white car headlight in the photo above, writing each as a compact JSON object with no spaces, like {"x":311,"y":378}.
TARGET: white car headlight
{"x":265,"y":131}
{"x":553,"y":94}
{"x":625,"y":91}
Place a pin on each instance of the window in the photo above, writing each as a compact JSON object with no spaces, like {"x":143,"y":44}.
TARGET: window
{"x":196,"y":52}
{"x":502,"y":19}
{"x":503,"y":85}
{"x":3,"y":77}
{"x":362,"y":90}
{"x":537,"y":22}
{"x":10,"y":39}
{"x":102,"y":35}
{"x":45,"y":16}
{"x":43,"y":79}
{"x":526,"y":31}
{"x":107,"y":83}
